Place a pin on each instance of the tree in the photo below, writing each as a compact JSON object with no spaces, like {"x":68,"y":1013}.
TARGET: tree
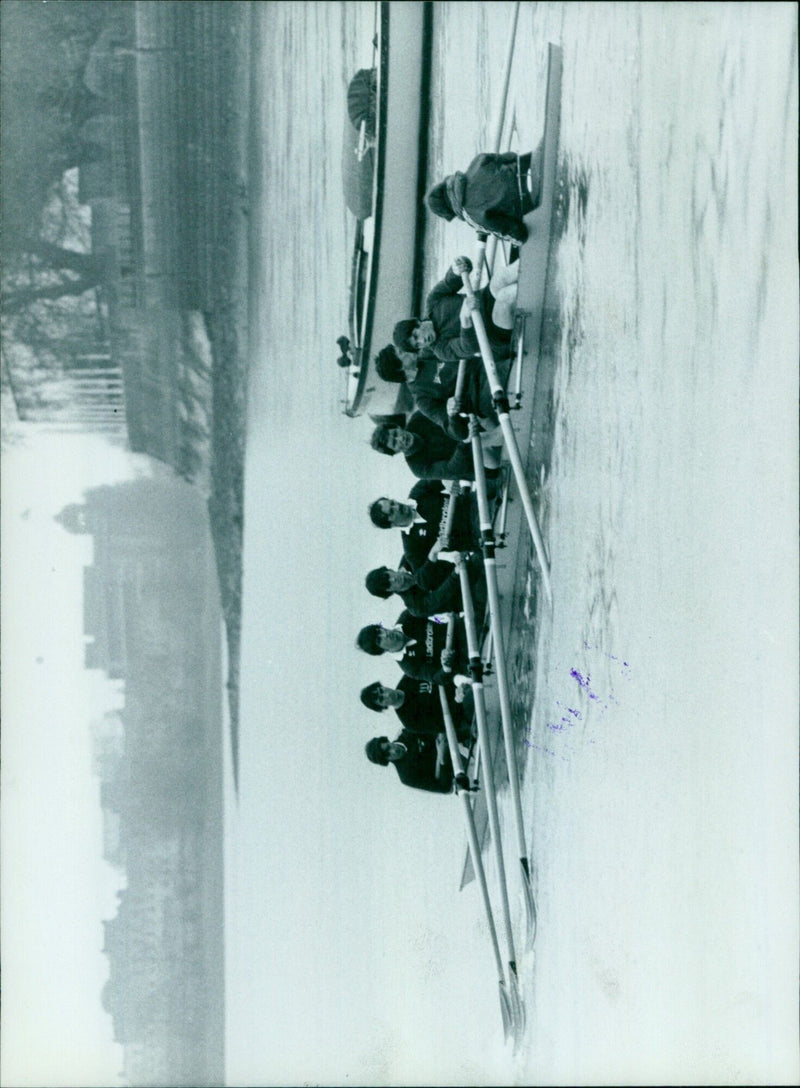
{"x":49,"y":270}
{"x":44,"y":49}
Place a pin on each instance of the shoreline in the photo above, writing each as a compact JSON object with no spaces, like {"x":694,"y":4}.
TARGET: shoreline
{"x":226,"y":325}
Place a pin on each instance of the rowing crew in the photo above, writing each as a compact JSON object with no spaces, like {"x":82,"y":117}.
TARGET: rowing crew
{"x":436,"y":440}
{"x":430,"y":589}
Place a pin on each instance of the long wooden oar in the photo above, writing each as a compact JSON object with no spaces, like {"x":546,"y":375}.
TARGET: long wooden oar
{"x":502,"y":408}
{"x":506,"y":1002}
{"x":488,"y":251}
{"x":496,"y":621}
{"x":442,"y":541}
{"x":476,"y":673}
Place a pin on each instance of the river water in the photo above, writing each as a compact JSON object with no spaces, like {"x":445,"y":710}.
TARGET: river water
{"x":659,"y":783}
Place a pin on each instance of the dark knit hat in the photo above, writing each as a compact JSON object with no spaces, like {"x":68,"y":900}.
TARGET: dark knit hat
{"x":375,"y":752}
{"x":438,"y":203}
{"x":388,"y":365}
{"x":368,"y":639}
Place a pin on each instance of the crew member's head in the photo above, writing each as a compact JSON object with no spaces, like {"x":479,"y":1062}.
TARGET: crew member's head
{"x":382,"y":751}
{"x":376,"y":696}
{"x":388,"y":513}
{"x":438,"y":201}
{"x":413,"y":335}
{"x":374,"y":639}
{"x":383,"y":582}
{"x":390,"y":439}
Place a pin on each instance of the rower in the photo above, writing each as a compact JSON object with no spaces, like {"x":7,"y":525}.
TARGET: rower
{"x":432,"y":385}
{"x":420,"y":517}
{"x":419,"y":646}
{"x":429,"y":452}
{"x":416,"y":703}
{"x":494,"y":194}
{"x":415,"y":757}
{"x":446,"y":330}
{"x":422,"y":594}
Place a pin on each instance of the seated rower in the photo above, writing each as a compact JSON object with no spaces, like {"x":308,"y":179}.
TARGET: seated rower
{"x":494,"y":195}
{"x":446,"y":330}
{"x":422,"y":644}
{"x":418,"y":705}
{"x":422,"y":762}
{"x":418,"y":595}
{"x":430,"y":453}
{"x":432,"y":386}
{"x":420,"y":517}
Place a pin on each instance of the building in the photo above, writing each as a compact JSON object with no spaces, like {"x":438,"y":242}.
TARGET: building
{"x":152,"y":622}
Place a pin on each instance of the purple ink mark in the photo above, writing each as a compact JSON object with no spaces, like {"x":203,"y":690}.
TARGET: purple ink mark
{"x":570,"y":710}
{"x":583,"y":681}
{"x":611,"y":657}
{"x":547,"y":751}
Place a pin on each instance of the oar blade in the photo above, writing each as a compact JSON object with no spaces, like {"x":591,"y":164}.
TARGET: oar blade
{"x":516,"y":1007}
{"x":507,"y":1012}
{"x":530,"y":904}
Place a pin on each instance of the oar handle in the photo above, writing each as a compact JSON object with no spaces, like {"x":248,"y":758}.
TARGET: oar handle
{"x":451,"y":631}
{"x":460,"y":379}
{"x":480,"y":255}
{"x":469,"y":290}
{"x":443,"y":539}
{"x":448,"y":642}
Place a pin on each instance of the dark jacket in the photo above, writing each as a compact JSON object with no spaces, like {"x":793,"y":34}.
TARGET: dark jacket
{"x":429,"y":637}
{"x":433,"y":387}
{"x":443,"y":308}
{"x":421,"y":711}
{"x":447,"y":596}
{"x":423,"y":660}
{"x":418,"y":540}
{"x":488,"y":196}
{"x":438,"y":456}
{"x":453,"y":342}
{"x":417,"y":768}
{"x":430,"y":497}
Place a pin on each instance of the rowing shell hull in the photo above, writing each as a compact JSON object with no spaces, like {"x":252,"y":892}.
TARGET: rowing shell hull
{"x":393,"y":280}
{"x":536,"y":265}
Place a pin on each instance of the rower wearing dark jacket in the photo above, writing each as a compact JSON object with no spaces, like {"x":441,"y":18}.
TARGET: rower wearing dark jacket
{"x":432,"y":385}
{"x":418,"y":705}
{"x":430,"y":453}
{"x":420,"y":517}
{"x":446,"y":329}
{"x":493,"y":195}
{"x":418,"y":595}
{"x":422,"y":644}
{"x":415,"y":757}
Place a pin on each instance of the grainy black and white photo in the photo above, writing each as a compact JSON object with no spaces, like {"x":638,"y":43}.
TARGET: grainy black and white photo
{"x":399,"y":543}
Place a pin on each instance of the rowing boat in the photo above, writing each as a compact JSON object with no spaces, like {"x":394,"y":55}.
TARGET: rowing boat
{"x":386,"y":276}
{"x":532,"y":407}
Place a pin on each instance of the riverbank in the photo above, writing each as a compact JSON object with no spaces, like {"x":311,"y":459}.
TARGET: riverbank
{"x":226,"y":325}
